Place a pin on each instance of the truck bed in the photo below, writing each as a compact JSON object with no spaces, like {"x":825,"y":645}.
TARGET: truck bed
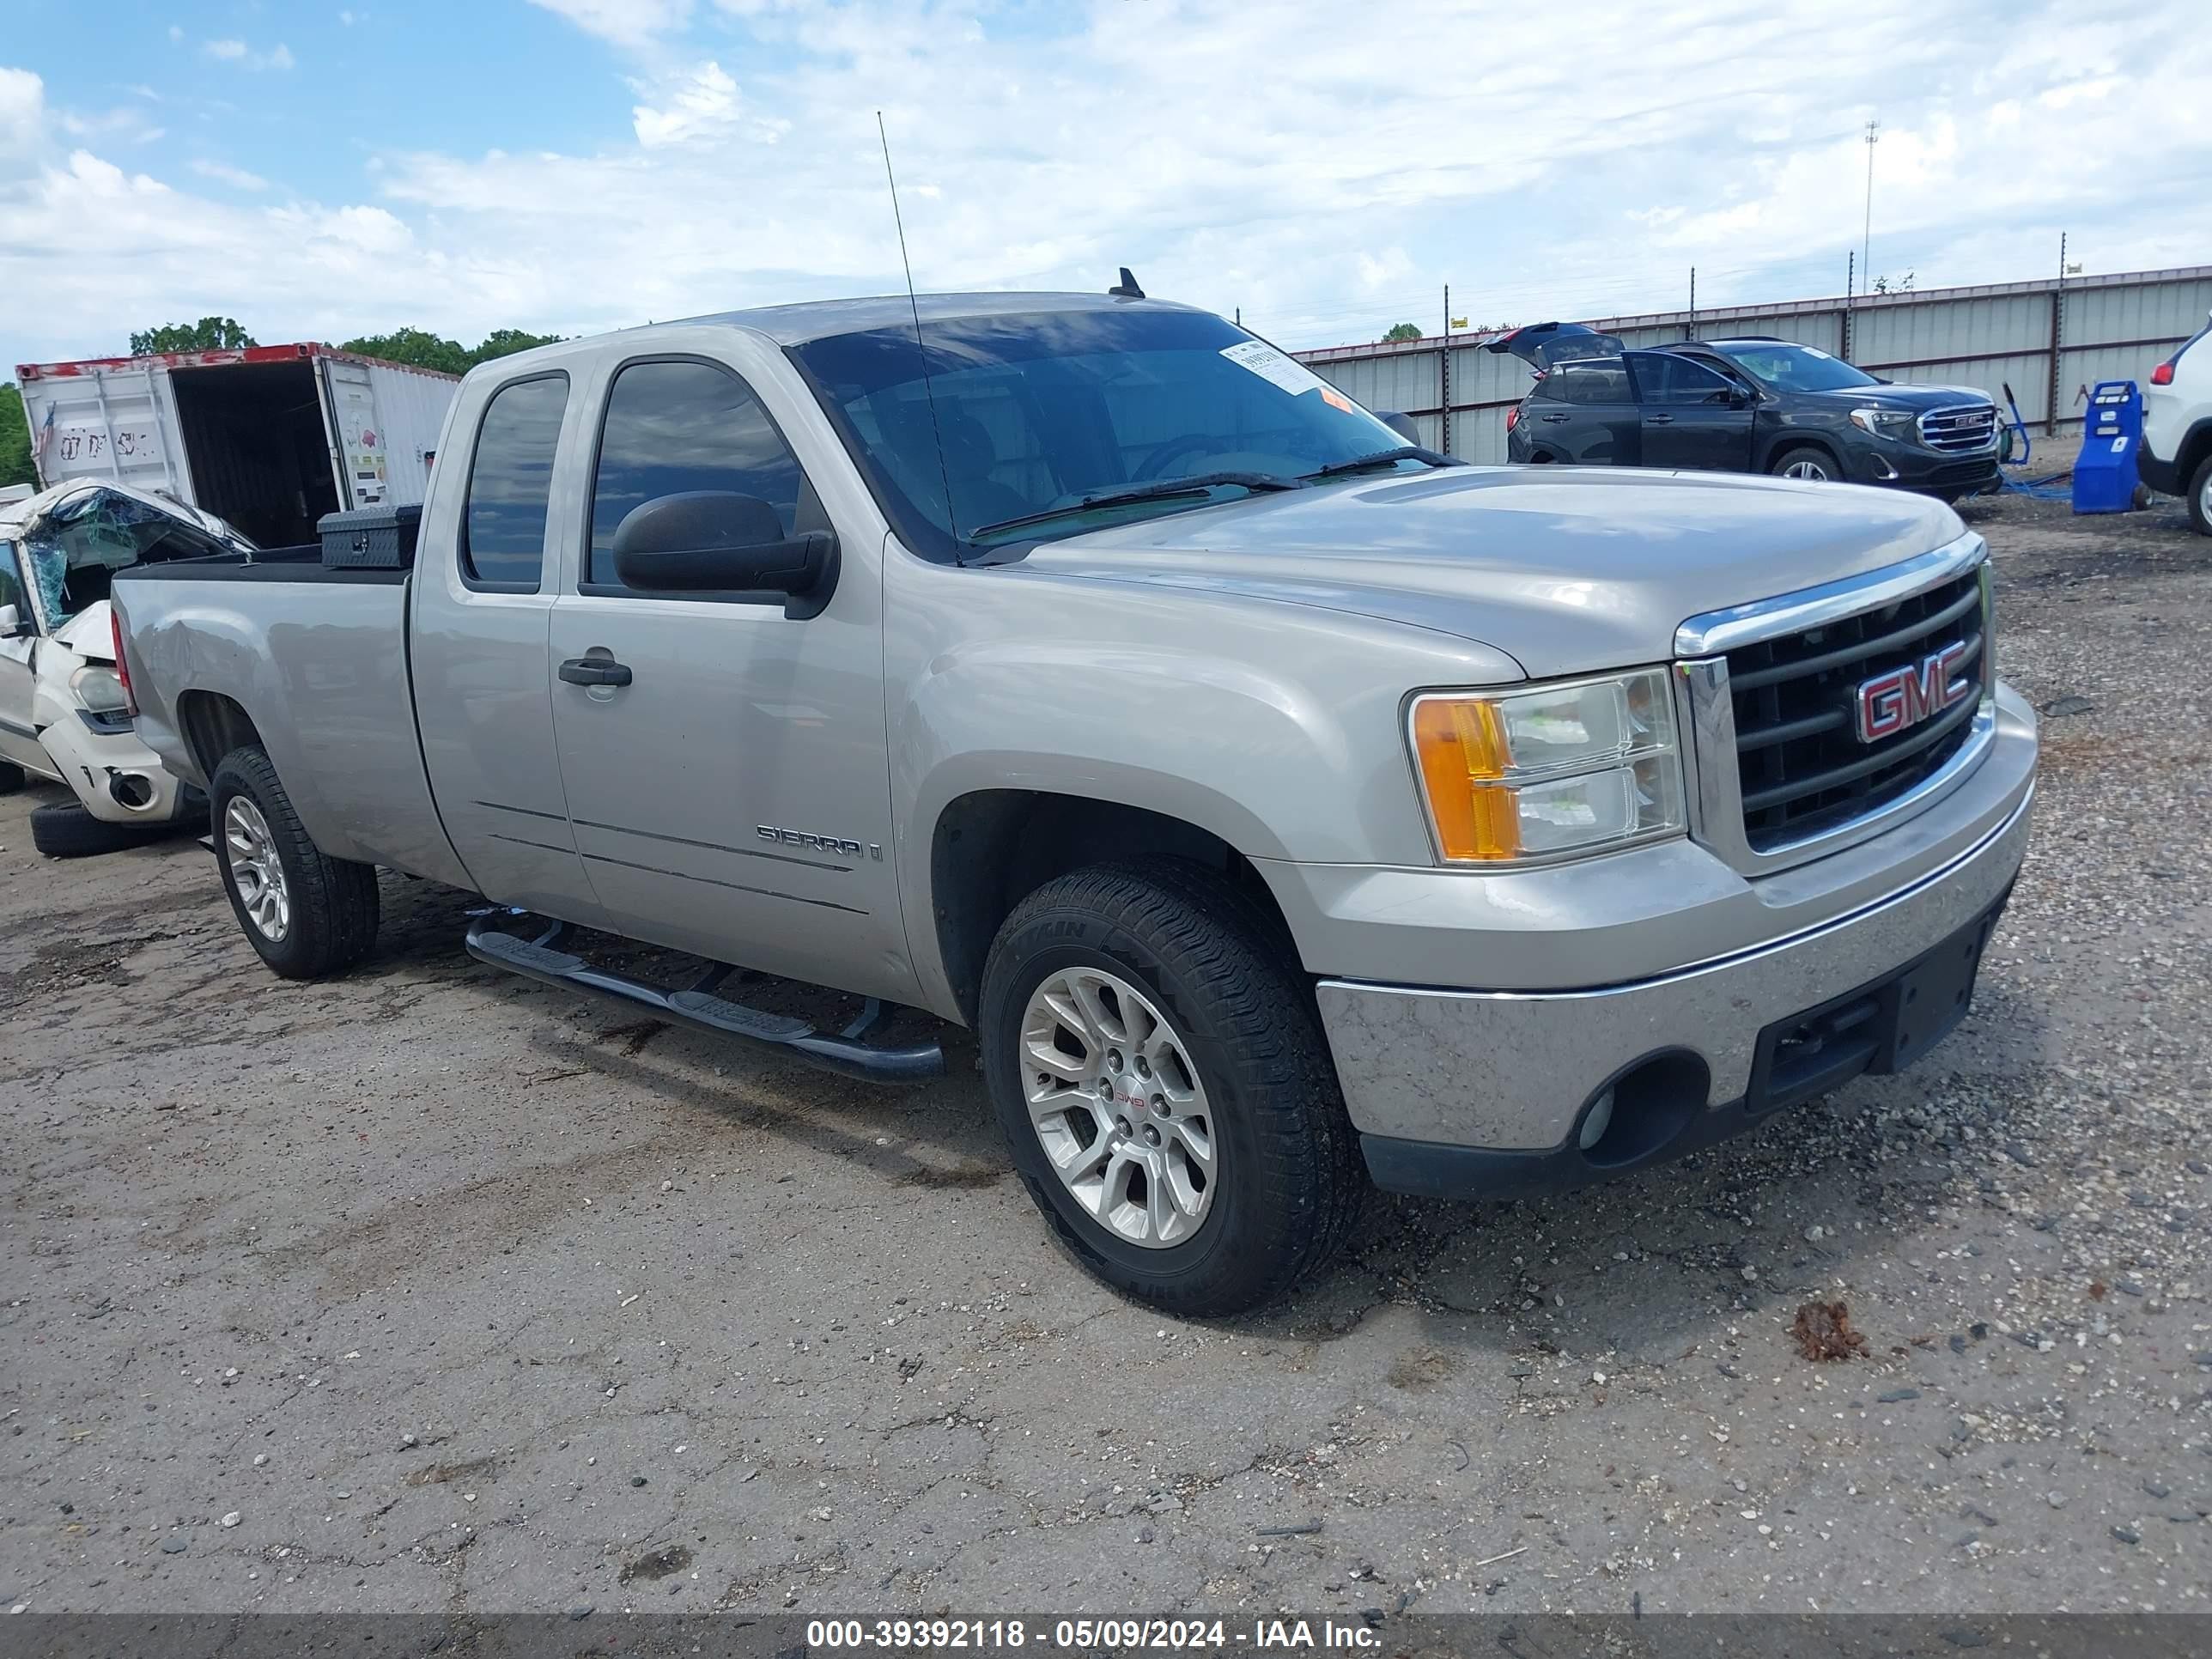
{"x":316,"y":660}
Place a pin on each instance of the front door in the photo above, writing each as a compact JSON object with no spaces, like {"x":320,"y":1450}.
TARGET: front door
{"x":19,"y":737}
{"x":730,"y":797}
{"x":1692,"y":418}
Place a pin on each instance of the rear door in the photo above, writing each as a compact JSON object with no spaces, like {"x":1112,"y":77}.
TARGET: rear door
{"x":730,"y":798}
{"x":1584,"y":412}
{"x":108,"y":421}
{"x":1692,"y":417}
{"x":486,"y":570}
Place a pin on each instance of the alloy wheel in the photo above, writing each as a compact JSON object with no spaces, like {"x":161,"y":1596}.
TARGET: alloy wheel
{"x":255,"y":870}
{"x":1118,"y":1107}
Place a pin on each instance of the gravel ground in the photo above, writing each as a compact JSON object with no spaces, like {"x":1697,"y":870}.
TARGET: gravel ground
{"x":434,"y":1290}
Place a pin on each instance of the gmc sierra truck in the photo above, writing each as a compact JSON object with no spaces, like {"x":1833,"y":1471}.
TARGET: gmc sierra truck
{"x":1285,"y":806}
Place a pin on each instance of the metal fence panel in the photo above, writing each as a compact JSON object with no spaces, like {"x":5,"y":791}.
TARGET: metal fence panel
{"x":1988,"y":335}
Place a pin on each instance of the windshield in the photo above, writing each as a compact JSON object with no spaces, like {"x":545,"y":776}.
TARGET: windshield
{"x":1798,"y":368}
{"x":74,"y":547}
{"x":1038,"y":412}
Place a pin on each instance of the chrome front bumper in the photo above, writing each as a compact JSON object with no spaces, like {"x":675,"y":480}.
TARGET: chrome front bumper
{"x":1511,"y":1071}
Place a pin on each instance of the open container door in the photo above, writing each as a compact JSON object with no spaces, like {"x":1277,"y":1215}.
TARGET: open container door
{"x":357,"y":434}
{"x":107,"y":420}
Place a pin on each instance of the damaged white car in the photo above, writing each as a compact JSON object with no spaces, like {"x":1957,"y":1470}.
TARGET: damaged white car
{"x":65,"y":713}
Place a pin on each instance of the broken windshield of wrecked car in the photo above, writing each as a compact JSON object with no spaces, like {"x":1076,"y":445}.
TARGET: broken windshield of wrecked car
{"x":1036,"y":412}
{"x":75,"y":547}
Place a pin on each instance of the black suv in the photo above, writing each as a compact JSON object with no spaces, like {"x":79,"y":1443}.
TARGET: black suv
{"x":1744,"y":406}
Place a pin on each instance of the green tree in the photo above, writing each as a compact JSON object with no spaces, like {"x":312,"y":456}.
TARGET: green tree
{"x":15,"y":438}
{"x":424,"y":350}
{"x":1402,"y":332}
{"x":209,"y":334}
{"x":414,"y":346}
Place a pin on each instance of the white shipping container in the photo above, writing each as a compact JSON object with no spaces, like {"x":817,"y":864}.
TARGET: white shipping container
{"x":270,"y":437}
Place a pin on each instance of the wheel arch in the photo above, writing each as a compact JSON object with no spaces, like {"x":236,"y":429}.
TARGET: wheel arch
{"x":991,"y":848}
{"x":1783,"y":442}
{"x":212,"y":726}
{"x":2196,"y":447}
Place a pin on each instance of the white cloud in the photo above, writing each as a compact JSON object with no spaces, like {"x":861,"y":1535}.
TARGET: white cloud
{"x":699,"y":106}
{"x":278,"y":56}
{"x":176,"y":35}
{"x":625,"y":22}
{"x":236,"y":178}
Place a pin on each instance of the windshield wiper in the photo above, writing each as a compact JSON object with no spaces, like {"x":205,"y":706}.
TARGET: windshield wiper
{"x":1381,"y":457}
{"x":1159,"y":489}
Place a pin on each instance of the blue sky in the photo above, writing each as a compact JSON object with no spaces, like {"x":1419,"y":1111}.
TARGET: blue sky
{"x":320,"y":171}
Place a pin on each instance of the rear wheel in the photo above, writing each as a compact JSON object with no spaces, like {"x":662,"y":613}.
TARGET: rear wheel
{"x":1807,"y":462}
{"x":1159,"y":1070}
{"x":307,"y":914}
{"x":2200,"y":498}
{"x":67,"y":830}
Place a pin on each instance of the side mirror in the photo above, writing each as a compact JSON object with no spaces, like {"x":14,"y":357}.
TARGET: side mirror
{"x":1402,"y":425}
{"x":717,"y":542}
{"x":13,"y":624}
{"x":1738,"y":397}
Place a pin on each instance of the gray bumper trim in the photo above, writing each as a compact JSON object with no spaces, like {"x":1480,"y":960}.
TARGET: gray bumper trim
{"x":1509,"y":1070}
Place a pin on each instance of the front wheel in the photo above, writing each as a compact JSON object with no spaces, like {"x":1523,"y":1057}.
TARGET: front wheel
{"x":308,"y":914}
{"x":1156,"y":1064}
{"x":1806,"y":462}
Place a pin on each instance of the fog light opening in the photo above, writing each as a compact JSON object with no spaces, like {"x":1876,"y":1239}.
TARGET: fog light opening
{"x":1643,"y":1109}
{"x":131,"y":789}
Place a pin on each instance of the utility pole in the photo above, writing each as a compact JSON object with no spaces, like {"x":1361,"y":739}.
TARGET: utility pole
{"x":1693,"y":330}
{"x":1866,"y":254}
{"x":1850,"y":278}
{"x":2057,"y":337}
{"x":1443,"y":378}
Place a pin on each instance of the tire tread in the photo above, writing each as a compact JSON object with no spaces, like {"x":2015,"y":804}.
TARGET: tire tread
{"x":335,"y":906}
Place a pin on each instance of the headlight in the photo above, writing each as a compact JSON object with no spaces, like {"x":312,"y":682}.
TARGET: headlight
{"x":1556,"y":771}
{"x":1900,"y":423}
{"x":96,"y":687}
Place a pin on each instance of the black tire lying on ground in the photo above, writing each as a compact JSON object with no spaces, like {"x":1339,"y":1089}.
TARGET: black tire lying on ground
{"x":66,"y":831}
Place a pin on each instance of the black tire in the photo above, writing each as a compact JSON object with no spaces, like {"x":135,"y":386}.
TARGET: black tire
{"x":11,"y":777}
{"x":1807,"y":455}
{"x":2200,"y":498}
{"x":332,"y":902}
{"x":67,"y":830}
{"x":1216,"y":965}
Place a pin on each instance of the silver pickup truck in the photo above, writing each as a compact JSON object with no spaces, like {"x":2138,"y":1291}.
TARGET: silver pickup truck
{"x":1273,"y":797}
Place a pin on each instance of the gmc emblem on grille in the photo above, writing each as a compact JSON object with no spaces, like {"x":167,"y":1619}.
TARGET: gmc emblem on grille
{"x":1899,"y":700}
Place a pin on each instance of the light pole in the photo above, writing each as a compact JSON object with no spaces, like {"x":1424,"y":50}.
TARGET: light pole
{"x":1866,"y":248}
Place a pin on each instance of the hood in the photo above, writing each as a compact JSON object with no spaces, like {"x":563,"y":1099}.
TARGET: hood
{"x":1567,"y":569}
{"x":89,"y":634}
{"x":1917,"y":398}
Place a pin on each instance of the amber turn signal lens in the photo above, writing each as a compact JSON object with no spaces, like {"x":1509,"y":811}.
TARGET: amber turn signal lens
{"x":1462,"y":748}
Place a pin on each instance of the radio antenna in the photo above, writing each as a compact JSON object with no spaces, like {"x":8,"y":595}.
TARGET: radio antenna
{"x":929,"y":390}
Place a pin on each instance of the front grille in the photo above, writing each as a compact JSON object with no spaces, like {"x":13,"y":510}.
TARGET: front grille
{"x":1801,"y":765}
{"x":1960,"y":427}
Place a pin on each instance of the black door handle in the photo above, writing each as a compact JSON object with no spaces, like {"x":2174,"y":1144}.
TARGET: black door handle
{"x":595,"y":671}
{"x":1555,"y":419}
{"x":1658,"y":420}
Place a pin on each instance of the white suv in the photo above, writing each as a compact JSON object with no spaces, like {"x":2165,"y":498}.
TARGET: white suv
{"x":2176,"y":447}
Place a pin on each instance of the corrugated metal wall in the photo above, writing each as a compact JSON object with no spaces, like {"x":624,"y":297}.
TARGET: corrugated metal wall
{"x":2115,"y":327}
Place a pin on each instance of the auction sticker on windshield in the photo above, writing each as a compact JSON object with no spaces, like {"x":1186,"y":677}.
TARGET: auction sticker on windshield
{"x":1269,"y":364}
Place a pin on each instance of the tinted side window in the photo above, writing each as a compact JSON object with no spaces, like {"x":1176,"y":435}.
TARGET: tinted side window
{"x":672,"y":427}
{"x":1602,"y":382}
{"x":503,"y":533}
{"x":1663,"y":379}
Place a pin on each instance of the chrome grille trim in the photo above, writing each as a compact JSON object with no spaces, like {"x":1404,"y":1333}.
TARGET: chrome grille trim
{"x":1959,"y":428}
{"x":1717,"y":801}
